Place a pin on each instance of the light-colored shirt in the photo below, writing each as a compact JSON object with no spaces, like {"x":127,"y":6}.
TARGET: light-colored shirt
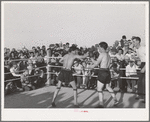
{"x":14,"y":72}
{"x":131,"y":70}
{"x":141,"y":53}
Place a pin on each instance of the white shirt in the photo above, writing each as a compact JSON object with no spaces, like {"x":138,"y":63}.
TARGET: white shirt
{"x":131,"y":70}
{"x":13,"y":72}
{"x":141,"y":53}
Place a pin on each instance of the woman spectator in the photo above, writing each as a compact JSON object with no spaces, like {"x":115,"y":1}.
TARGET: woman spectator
{"x":120,"y":55}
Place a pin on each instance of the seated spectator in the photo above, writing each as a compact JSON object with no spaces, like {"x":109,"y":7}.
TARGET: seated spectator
{"x":21,"y":55}
{"x":112,"y":53}
{"x":13,"y":56}
{"x":33,"y":77}
{"x":130,"y":53}
{"x":131,"y":71}
{"x":120,"y":55}
{"x":32,"y":57}
{"x":78,"y":68}
{"x":40,"y":79}
{"x":15,"y":73}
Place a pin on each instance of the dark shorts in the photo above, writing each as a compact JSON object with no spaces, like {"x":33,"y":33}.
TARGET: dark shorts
{"x":104,"y":76}
{"x":66,"y":76}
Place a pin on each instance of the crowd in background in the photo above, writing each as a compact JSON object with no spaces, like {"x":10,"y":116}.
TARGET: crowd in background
{"x":29,"y":66}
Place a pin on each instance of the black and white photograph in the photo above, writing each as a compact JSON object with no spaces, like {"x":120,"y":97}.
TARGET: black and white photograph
{"x":74,"y":60}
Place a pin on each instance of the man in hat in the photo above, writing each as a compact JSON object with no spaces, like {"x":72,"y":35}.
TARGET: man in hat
{"x":66,"y":74}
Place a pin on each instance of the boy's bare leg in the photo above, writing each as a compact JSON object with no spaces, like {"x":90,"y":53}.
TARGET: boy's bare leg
{"x":56,"y":92}
{"x":100,"y":92}
{"x":112,"y":93}
{"x":73,"y":84}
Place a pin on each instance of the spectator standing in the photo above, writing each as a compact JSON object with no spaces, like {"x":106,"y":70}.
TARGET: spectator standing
{"x":122,"y":41}
{"x":142,"y":55}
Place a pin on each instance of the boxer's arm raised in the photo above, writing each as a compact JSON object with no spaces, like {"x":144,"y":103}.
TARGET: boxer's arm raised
{"x":80,"y":57}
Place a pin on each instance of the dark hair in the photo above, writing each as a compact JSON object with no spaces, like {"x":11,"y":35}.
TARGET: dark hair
{"x":67,"y":43}
{"x":130,"y":49}
{"x":33,"y":47}
{"x":137,"y":39}
{"x":57,"y":45}
{"x":123,"y":37}
{"x":73,"y":48}
{"x":120,"y":49}
{"x":103,"y":45}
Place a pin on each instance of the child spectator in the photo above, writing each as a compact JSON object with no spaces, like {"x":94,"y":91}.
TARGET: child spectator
{"x":130,"y":53}
{"x":112,"y":53}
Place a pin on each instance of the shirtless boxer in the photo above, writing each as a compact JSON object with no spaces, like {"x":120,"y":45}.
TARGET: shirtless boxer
{"x":66,"y":74}
{"x":104,"y":76}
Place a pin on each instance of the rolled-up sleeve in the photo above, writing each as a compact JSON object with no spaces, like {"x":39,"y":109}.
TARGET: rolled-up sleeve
{"x":13,"y":73}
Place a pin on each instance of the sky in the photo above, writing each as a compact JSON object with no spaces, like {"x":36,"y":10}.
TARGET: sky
{"x":86,"y":24}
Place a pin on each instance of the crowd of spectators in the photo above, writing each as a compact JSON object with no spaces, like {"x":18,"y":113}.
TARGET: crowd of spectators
{"x":26,"y":65}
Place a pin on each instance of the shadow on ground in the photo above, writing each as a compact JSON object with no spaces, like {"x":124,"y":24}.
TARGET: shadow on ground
{"x":41,"y":98}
